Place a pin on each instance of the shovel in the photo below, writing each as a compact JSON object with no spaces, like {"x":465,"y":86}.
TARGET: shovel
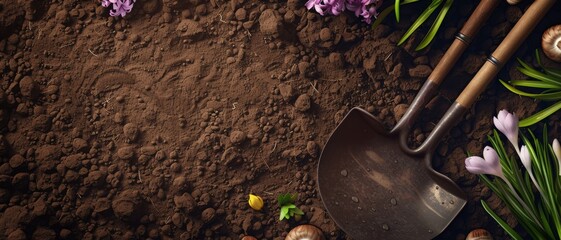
{"x":374,"y":185}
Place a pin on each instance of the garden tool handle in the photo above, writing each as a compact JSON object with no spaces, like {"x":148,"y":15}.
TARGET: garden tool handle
{"x":459,"y":45}
{"x":462,"y":40}
{"x":487,"y":73}
{"x":504,"y":51}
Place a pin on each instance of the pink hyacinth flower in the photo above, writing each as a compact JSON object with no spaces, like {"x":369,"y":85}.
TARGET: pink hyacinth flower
{"x":316,"y":5}
{"x":334,"y":7}
{"x":119,"y":7}
{"x":367,"y":9}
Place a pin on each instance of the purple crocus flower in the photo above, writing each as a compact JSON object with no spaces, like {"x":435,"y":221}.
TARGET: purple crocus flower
{"x":120,"y":7}
{"x":507,"y":123}
{"x":489,"y":164}
{"x":557,"y":150}
{"x":526,"y":160}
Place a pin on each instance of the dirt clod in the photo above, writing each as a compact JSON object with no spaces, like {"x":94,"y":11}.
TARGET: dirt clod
{"x":28,"y":87}
{"x":126,"y":152}
{"x":184,"y":202}
{"x":269,"y":23}
{"x":303,"y":103}
{"x":130,"y":130}
{"x":237,"y":137}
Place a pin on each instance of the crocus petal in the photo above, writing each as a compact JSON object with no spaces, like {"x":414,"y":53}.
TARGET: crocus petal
{"x":525,"y":157}
{"x":507,"y":123}
{"x":476,"y":165}
{"x":557,"y":150}
{"x":498,"y":124}
{"x":490,"y":164}
{"x":491,"y":157}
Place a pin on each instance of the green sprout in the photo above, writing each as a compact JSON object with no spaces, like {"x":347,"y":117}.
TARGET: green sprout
{"x":425,"y":15}
{"x":288,"y":209}
{"x":544,"y":84}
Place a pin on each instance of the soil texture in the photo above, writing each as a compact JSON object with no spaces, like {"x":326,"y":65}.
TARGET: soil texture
{"x":158,"y":125}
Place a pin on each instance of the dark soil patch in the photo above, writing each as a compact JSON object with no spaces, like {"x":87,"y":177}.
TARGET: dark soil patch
{"x":160,"y":124}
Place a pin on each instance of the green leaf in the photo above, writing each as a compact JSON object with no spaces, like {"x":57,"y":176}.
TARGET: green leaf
{"x":533,"y":73}
{"x":285,"y":199}
{"x":540,"y":115}
{"x":420,"y":20}
{"x":284,"y":213}
{"x":396,"y":6}
{"x":553,"y":72}
{"x":387,"y":12}
{"x":542,"y":96}
{"x":537,"y":54}
{"x":298,"y":211}
{"x":533,"y":84}
{"x":435,"y":26}
{"x":501,"y":222}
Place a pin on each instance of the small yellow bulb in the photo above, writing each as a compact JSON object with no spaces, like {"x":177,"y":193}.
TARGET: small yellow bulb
{"x":255,"y":202}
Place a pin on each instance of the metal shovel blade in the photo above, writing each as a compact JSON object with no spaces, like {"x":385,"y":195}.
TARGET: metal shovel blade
{"x":374,"y":190}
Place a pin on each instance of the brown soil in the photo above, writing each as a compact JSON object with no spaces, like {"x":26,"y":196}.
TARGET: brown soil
{"x":160,"y":124}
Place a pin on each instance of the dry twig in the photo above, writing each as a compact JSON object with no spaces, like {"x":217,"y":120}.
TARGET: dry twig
{"x":92,"y":53}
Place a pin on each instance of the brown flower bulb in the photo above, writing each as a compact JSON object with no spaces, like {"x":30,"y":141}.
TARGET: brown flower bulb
{"x":305,"y":232}
{"x":551,"y":43}
{"x":513,"y":2}
{"x":479,"y":234}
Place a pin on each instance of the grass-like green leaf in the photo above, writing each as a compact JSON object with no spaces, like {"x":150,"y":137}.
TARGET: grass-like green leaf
{"x":553,"y":72}
{"x":541,"y":115}
{"x":387,"y":12}
{"x":533,"y":73}
{"x":501,"y":222}
{"x":533,"y":84}
{"x":542,"y":96}
{"x":420,"y":20}
{"x":435,"y":26}
{"x":396,"y":6}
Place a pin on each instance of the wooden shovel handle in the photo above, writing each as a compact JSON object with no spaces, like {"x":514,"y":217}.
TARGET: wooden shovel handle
{"x":487,"y":73}
{"x":463,"y":39}
{"x":460,"y":44}
{"x":504,"y":51}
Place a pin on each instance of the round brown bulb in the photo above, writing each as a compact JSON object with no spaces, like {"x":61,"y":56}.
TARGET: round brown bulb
{"x":551,"y":43}
{"x":479,"y":234}
{"x":305,"y":232}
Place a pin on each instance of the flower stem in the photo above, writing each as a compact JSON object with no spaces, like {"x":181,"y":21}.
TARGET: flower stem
{"x":535,"y":219}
